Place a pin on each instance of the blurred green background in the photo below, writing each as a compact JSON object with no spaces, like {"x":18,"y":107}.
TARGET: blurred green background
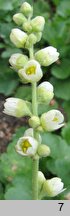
{"x":13,"y":183}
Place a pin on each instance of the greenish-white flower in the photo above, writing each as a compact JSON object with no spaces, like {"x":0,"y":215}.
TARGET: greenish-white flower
{"x":45,"y":92}
{"x":52,"y":120}
{"x":41,"y":179}
{"x":38,"y":24}
{"x":27,"y":9}
{"x":47,"y":56}
{"x":19,"y":19}
{"x":17,"y":107}
{"x":18,"y":37}
{"x":31,"y":72}
{"x":18,"y":61}
{"x":53,"y":187}
{"x":27,"y":146}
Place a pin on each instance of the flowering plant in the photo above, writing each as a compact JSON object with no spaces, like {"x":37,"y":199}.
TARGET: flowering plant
{"x":29,"y":70}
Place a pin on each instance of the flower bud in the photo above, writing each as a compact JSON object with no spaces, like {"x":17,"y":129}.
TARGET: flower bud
{"x":30,"y":132}
{"x":38,"y":36}
{"x":38,"y":24}
{"x":30,"y":41}
{"x":27,"y":26}
{"x":47,"y":56}
{"x":18,"y":61}
{"x":27,"y":9}
{"x":27,"y":146}
{"x":34,"y":121}
{"x":17,"y":107}
{"x":18,"y":37}
{"x":43,"y":150}
{"x":45,"y":92}
{"x":52,"y":120}
{"x":41,"y":179}
{"x":53,"y":187}
{"x":32,"y":71}
{"x":19,"y":19}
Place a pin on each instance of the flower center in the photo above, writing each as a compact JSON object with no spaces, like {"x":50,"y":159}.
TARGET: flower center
{"x":55,"y":119}
{"x":31,"y":70}
{"x":25,"y":145}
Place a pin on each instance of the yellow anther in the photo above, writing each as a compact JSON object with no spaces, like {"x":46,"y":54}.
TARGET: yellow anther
{"x":25,"y":145}
{"x":31,"y":70}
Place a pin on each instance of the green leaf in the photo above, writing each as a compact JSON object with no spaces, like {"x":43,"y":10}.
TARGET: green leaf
{"x":21,"y":188}
{"x":61,"y":88}
{"x":58,"y":146}
{"x":63,"y":8}
{"x":66,"y":107}
{"x":60,"y":168}
{"x":66,"y":133}
{"x":61,"y":71}
{"x":24,"y":92}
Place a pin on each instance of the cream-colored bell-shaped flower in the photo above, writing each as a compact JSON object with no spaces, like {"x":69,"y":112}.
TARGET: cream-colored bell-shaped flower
{"x":53,"y":187}
{"x":27,"y":146}
{"x":19,"y":19}
{"x":17,"y":107}
{"x":52,"y":120}
{"x":38,"y":24}
{"x":47,"y":56}
{"x":27,"y":9}
{"x":18,"y":61}
{"x":31,"y":72}
{"x":18,"y":37}
{"x":45,"y":92}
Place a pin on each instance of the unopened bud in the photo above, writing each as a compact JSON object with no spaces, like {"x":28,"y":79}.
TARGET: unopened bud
{"x":27,"y":26}
{"x":38,"y":24}
{"x":41,"y":179}
{"x":43,"y":150}
{"x":31,"y":40}
{"x":47,"y":56}
{"x":17,"y":107}
{"x":18,"y":61}
{"x":34,"y":121}
{"x":19,"y":19}
{"x":18,"y":37}
{"x":45,"y":92}
{"x":27,"y":9}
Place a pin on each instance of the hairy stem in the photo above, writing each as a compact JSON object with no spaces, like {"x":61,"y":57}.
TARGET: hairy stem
{"x":35,"y":161}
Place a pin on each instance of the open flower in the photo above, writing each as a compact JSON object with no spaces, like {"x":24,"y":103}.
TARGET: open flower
{"x":18,"y":60}
{"x":18,"y":37}
{"x":27,"y":146}
{"x":31,"y":72}
{"x":53,"y":187}
{"x":45,"y":92}
{"x":16,"y":107}
{"x":52,"y":120}
{"x":47,"y":56}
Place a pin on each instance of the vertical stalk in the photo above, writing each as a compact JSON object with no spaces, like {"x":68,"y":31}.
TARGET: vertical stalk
{"x":35,"y":161}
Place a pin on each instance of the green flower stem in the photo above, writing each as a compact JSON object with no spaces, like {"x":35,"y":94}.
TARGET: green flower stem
{"x":35,"y":165}
{"x":35,"y":160}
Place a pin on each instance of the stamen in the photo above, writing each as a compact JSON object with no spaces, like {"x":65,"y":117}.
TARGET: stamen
{"x":31,"y":70}
{"x":25,"y":145}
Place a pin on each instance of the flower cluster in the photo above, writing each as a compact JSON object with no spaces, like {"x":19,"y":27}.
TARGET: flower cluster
{"x":29,"y":70}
